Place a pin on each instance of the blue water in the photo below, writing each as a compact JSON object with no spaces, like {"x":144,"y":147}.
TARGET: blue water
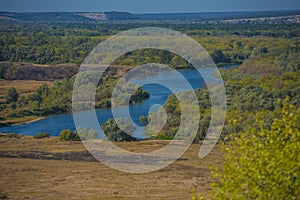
{"x":53,"y":124}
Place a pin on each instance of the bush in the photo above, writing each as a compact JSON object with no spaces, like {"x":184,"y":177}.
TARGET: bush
{"x":42,"y":135}
{"x":85,"y":133}
{"x":67,"y":135}
{"x":262,"y":162}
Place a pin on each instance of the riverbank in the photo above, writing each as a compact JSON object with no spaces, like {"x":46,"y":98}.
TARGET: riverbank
{"x":18,"y":121}
{"x":47,"y":168}
{"x":159,"y":95}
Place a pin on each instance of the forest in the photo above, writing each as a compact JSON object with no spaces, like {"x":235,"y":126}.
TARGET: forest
{"x":57,"y":43}
{"x":267,"y":53}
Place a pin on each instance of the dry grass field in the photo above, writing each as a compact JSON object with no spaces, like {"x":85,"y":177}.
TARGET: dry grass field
{"x":50,"y":169}
{"x":22,"y":86}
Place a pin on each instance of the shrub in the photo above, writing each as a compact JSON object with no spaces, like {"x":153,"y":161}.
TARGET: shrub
{"x":85,"y":133}
{"x":67,"y":135}
{"x":93,"y":134}
{"x":262,"y":162}
{"x":42,"y":135}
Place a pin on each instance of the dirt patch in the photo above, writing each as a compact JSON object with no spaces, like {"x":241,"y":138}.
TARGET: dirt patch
{"x":73,"y":156}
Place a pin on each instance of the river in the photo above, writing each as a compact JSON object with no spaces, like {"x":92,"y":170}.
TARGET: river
{"x":53,"y":124}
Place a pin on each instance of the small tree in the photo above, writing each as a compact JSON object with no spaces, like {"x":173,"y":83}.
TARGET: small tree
{"x":118,"y":134}
{"x":262,"y":162}
{"x":144,"y":120}
{"x":12,"y":95}
{"x":67,"y":135}
{"x":219,"y":57}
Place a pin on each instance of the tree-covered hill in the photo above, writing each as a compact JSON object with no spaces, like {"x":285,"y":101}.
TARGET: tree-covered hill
{"x":111,"y":16}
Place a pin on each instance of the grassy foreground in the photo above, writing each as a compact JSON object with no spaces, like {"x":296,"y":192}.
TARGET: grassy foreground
{"x":50,"y":169}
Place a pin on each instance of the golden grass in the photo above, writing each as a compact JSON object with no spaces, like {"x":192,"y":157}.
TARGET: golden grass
{"x":49,"y":179}
{"x":22,"y":86}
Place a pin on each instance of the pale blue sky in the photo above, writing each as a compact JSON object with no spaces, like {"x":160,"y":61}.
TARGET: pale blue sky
{"x":147,"y":6}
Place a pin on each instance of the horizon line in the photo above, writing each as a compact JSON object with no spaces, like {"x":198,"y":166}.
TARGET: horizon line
{"x":183,"y":12}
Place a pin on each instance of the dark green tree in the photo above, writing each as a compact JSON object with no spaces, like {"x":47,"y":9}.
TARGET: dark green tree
{"x":219,"y":57}
{"x":12,"y":95}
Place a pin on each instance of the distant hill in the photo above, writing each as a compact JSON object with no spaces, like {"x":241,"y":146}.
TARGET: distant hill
{"x":216,"y":15}
{"x":107,"y":16}
{"x":66,"y":16}
{"x":112,"y":16}
{"x":43,"y":16}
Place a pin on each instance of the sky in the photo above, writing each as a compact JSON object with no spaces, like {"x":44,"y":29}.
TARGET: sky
{"x":147,"y":6}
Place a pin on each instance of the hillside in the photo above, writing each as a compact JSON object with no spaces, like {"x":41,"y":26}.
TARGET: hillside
{"x":43,"y":17}
{"x":28,"y":71}
{"x":112,"y":16}
{"x":66,"y":16}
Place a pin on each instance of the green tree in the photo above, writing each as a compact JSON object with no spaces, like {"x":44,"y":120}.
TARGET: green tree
{"x":12,"y":95}
{"x":262,"y":162}
{"x":43,"y":90}
{"x":67,"y":135}
{"x":144,"y":120}
{"x":116,"y":133}
{"x":219,"y":57}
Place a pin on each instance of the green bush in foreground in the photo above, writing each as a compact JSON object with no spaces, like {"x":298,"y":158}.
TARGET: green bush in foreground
{"x":67,"y":135}
{"x":42,"y":135}
{"x":262,"y":162}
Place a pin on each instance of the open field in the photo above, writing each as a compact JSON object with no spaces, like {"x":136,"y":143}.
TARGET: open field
{"x":22,"y":86}
{"x":50,"y":169}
